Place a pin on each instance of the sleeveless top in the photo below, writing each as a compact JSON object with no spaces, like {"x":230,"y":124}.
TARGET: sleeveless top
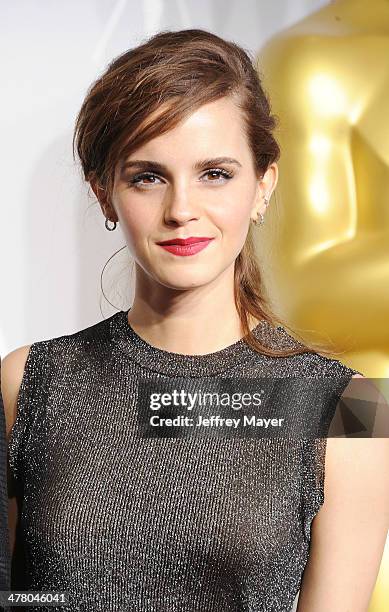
{"x":123,"y":522}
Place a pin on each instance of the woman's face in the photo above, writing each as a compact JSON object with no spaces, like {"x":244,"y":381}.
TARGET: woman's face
{"x":188,"y":195}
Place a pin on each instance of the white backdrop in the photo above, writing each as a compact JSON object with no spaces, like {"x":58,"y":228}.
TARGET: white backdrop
{"x":53,"y":241}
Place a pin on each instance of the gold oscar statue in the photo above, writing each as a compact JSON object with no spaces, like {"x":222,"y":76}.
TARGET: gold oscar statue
{"x":324,"y":247}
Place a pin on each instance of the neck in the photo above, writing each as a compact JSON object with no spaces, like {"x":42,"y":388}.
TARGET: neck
{"x":189,"y":321}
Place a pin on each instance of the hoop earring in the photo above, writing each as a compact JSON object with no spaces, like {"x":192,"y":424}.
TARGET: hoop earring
{"x":110,"y":229}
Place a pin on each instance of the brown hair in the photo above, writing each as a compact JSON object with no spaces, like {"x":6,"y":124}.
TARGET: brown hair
{"x":146,"y":92}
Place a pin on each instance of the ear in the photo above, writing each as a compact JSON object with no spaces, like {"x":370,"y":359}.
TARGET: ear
{"x":102,"y":197}
{"x":265,"y":187}
{"x":258,"y":201}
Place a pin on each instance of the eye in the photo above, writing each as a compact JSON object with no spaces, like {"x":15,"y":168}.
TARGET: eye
{"x":135,"y":180}
{"x":220,"y":172}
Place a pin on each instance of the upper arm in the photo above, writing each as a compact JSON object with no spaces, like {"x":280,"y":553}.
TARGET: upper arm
{"x":12,"y":369}
{"x":349,"y":532}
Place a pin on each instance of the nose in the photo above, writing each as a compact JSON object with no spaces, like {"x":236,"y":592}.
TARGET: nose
{"x":179,"y":206}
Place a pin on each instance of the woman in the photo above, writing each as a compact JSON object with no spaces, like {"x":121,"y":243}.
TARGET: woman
{"x":175,"y":139}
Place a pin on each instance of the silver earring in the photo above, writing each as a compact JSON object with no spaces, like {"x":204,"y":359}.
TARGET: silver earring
{"x":256,"y":222}
{"x":110,"y":229}
{"x":261,"y":222}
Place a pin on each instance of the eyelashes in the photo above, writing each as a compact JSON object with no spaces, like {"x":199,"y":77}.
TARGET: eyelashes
{"x":223,"y":174}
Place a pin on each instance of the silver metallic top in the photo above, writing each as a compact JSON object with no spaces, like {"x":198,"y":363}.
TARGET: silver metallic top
{"x":123,"y":522}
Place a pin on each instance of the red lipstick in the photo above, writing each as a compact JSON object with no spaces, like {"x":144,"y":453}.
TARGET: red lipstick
{"x":185,"y":246}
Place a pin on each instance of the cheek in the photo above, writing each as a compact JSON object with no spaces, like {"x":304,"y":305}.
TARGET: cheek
{"x":234,"y":218}
{"x":136,"y":225}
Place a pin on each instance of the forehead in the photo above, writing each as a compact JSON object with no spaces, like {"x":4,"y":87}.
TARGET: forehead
{"x":214,"y":129}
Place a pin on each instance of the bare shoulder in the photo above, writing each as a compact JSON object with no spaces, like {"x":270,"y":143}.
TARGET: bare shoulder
{"x":356,"y":482}
{"x":350,"y":530}
{"x":12,"y":369}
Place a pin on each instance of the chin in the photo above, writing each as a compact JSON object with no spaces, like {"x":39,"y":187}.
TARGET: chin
{"x":183,"y":281}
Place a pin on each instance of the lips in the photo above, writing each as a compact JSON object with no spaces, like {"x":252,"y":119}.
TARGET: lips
{"x":185,"y":246}
{"x":185,"y":241}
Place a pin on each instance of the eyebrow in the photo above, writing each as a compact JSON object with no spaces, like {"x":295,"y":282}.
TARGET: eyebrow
{"x":144,"y":164}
